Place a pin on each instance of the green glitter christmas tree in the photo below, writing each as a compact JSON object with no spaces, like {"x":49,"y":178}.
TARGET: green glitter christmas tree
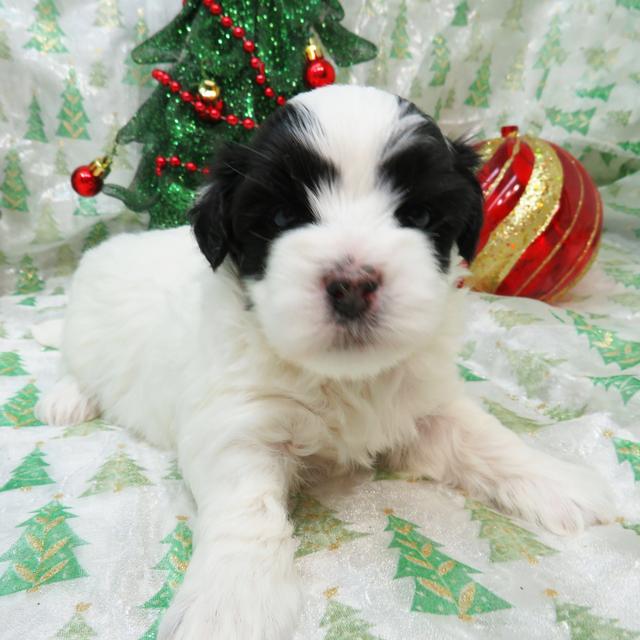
{"x":443,"y":585}
{"x":47,"y":34}
{"x":18,"y":410}
{"x":204,"y":50}
{"x":342,"y":622}
{"x":28,"y":280}
{"x":586,"y":626}
{"x":35,"y":125}
{"x":14,"y":190}
{"x":77,"y":628}
{"x":44,"y":553}
{"x":30,"y":472}
{"x":117,"y":473}
{"x":11,"y":364}
{"x":73,"y":119}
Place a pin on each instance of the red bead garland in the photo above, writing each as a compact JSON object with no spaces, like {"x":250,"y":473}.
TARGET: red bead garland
{"x":174,"y":161}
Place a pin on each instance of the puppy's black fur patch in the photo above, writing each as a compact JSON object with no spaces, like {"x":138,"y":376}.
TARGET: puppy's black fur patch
{"x":439,"y":192}
{"x":259,"y":191}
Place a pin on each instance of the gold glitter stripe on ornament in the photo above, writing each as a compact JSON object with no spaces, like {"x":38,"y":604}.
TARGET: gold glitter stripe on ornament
{"x":529,"y":218}
{"x":552,"y":295}
{"x":488,"y":148}
{"x":568,"y":230}
{"x":505,"y":168}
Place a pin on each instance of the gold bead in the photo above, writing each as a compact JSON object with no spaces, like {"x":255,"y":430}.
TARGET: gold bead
{"x":209,"y":90}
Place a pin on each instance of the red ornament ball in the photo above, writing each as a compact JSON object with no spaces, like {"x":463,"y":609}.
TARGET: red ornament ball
{"x":85,"y":183}
{"x":542,"y":218}
{"x":319,"y":73}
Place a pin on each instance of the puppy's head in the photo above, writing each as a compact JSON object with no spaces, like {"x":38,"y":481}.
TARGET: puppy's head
{"x":341,"y":217}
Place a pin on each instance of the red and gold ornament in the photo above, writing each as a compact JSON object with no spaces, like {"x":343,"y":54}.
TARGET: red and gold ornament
{"x":318,"y":72}
{"x":543,"y":219}
{"x":87,"y":180}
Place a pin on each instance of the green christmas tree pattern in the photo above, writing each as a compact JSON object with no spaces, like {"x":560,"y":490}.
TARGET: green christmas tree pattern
{"x":507,"y":540}
{"x":28,"y":279}
{"x":480,"y":89}
{"x":138,"y":74}
{"x":342,"y":622}
{"x":601,"y":59}
{"x":624,"y":277}
{"x":461,"y":16}
{"x":35,"y":125}
{"x":97,"y":234}
{"x":532,"y":370}
{"x":108,"y":14}
{"x":630,"y":300}
{"x":514,"y":80}
{"x":467,"y":375}
{"x":628,"y":451}
{"x":629,"y":4}
{"x":175,"y":562}
{"x":510,"y":419}
{"x":635,"y":527}
{"x":30,"y":472}
{"x":443,"y":586}
{"x":85,"y":429}
{"x":47,"y":35}
{"x":72,"y":116}
{"x":60,"y":162}
{"x":44,"y":552}
{"x":18,"y":410}
{"x":513,"y":17}
{"x":634,"y":147}
{"x":117,"y":473}
{"x":441,"y":64}
{"x":626,"y":385}
{"x":66,"y":261}
{"x":624,"y":353}
{"x":46,"y":227}
{"x":550,"y":54}
{"x":86,"y":208}
{"x":28,"y":302}
{"x":509,"y":318}
{"x":317,"y":527}
{"x":400,"y":35}
{"x":586,"y":626}
{"x":173,"y":473}
{"x":11,"y":364}
{"x":578,"y":120}
{"x":77,"y":628}
{"x":597,"y":93}
{"x":560,"y":413}
{"x":14,"y":190}
{"x":5,"y":50}
{"x":98,"y":75}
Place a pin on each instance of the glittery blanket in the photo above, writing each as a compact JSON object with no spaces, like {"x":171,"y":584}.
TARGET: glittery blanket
{"x":95,"y":525}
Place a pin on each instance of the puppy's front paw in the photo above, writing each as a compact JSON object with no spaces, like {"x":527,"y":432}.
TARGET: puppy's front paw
{"x":251,"y":606}
{"x":562,"y":497}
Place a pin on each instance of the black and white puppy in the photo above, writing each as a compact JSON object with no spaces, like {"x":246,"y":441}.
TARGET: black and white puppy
{"x":319,"y":329}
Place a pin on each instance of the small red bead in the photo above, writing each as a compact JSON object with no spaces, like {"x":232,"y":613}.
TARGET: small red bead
{"x":161,"y":161}
{"x":248,"y":123}
{"x":226,"y":21}
{"x":205,"y":170}
{"x":84,"y":183}
{"x":249,"y":46}
{"x":215,"y":9}
{"x":261,"y":78}
{"x":186,"y":96}
{"x":158,"y":171}
{"x":166,"y":79}
{"x":156,"y":74}
{"x":237,"y":32}
{"x":232,"y":119}
{"x":191,"y":166}
{"x":207,"y":3}
{"x":214,"y":113}
{"x":269,"y":92}
{"x":174,"y":85}
{"x":174,"y":161}
{"x":280,"y":100}
{"x":255,"y":62}
{"x":199,"y":106}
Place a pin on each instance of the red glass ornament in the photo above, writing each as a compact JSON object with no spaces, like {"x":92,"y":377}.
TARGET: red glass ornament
{"x":543,"y":219}
{"x":85,"y":183}
{"x":232,"y":119}
{"x":226,"y":21}
{"x":319,"y":73}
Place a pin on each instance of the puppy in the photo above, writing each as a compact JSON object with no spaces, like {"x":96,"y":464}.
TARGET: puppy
{"x":316,"y":325}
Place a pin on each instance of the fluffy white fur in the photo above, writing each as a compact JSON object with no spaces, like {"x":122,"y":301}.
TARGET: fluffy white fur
{"x":254,"y":398}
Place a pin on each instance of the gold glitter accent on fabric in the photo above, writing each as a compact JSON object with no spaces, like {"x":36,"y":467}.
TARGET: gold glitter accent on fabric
{"x":565,"y":235}
{"x":529,"y":218}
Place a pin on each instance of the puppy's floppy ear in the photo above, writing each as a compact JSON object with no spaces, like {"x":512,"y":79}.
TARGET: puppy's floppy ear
{"x":210,"y":215}
{"x":466,"y":161}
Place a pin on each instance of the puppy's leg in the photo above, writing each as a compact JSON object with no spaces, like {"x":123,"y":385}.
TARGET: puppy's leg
{"x":468,"y":448}
{"x":66,"y":404}
{"x":241,"y":582}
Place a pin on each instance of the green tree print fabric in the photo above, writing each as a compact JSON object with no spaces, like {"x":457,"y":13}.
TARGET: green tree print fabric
{"x":564,"y":377}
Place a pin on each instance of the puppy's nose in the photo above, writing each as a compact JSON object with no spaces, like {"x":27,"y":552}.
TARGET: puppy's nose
{"x":351,"y":295}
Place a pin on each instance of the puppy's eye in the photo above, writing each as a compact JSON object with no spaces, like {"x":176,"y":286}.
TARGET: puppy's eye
{"x":284,"y":219}
{"x":418,"y":217}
